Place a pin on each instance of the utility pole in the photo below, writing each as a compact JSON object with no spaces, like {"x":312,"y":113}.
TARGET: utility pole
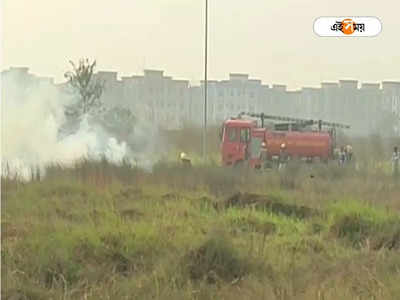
{"x":205,"y":84}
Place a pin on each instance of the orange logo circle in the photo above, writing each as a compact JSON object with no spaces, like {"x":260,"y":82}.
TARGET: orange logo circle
{"x":348,"y":26}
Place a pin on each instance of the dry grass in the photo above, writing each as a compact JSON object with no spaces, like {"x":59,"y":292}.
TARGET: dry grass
{"x":101,"y":231}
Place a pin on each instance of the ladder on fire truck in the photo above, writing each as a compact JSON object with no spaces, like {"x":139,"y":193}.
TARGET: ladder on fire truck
{"x":293,"y":122}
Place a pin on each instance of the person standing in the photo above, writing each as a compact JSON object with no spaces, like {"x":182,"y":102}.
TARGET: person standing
{"x":342,"y":156}
{"x":395,"y":161}
{"x":186,"y":162}
{"x":283,"y":157}
{"x":264,"y":155}
{"x":349,"y":152}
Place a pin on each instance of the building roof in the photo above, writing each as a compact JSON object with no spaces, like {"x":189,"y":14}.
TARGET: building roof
{"x":329,"y":84}
{"x":348,"y":80}
{"x":391,"y":82}
{"x":279,"y":87}
{"x":153,"y":72}
{"x":238,"y":77}
{"x":370,"y":85}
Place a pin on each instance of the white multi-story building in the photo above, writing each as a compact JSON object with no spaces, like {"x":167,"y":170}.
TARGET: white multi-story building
{"x":171,"y":103}
{"x":391,"y":96}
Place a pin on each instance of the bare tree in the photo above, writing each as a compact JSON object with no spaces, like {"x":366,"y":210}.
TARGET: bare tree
{"x":89,"y":89}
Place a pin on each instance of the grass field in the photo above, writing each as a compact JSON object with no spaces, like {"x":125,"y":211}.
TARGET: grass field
{"x":101,"y":231}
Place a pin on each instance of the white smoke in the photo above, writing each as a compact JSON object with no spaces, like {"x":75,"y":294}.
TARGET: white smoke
{"x":92,"y":142}
{"x":31,"y":121}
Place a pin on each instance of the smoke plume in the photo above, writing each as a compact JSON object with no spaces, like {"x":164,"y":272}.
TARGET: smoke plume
{"x":32,"y":119}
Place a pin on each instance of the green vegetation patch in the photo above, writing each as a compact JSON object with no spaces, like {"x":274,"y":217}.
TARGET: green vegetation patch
{"x":363,"y":225}
{"x":100,"y":231}
{"x":264,"y":222}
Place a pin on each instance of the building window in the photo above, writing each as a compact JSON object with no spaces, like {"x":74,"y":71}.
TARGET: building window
{"x":220,"y":93}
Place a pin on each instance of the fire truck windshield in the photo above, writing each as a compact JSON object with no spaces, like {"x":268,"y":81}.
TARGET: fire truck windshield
{"x":232,"y":134}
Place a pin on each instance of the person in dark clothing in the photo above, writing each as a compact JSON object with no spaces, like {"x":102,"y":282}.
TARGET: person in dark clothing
{"x":342,"y":156}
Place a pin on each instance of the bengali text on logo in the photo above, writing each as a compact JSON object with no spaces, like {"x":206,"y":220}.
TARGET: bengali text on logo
{"x":347,"y":26}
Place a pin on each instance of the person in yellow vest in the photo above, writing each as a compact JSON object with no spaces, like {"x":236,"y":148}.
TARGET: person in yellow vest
{"x":185,"y":160}
{"x":264,"y":155}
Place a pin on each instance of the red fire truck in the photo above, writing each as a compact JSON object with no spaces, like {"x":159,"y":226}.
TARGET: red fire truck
{"x":243,"y":139}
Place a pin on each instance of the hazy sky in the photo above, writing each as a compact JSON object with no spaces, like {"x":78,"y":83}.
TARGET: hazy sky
{"x":271,"y":40}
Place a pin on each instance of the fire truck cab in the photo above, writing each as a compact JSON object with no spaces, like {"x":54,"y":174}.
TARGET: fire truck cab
{"x":241,"y":141}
